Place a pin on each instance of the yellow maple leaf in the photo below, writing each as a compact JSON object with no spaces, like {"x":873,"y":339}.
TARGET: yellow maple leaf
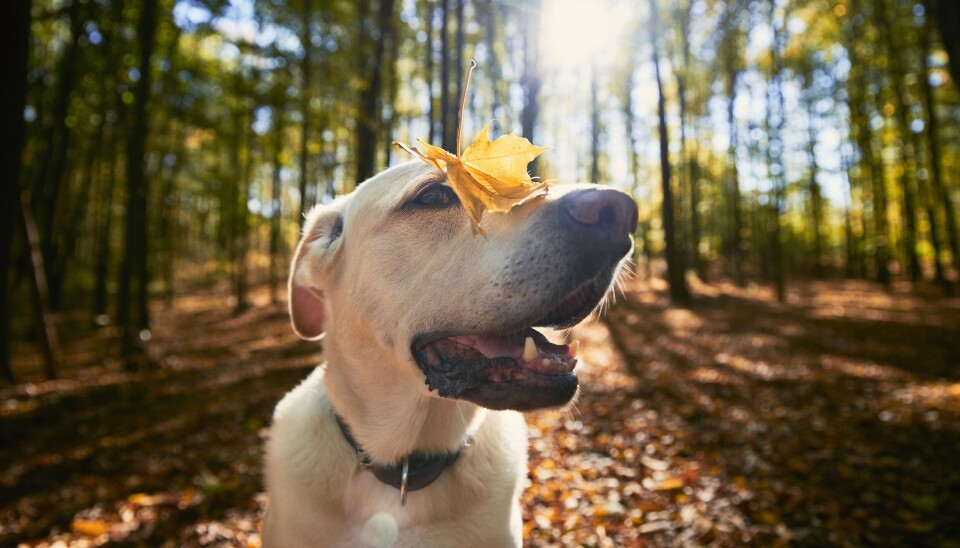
{"x":489,"y":175}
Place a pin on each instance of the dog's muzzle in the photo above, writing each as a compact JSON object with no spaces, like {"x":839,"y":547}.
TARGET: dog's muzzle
{"x":513,"y":366}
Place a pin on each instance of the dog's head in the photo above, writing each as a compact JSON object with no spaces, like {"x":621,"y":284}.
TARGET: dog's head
{"x":395,"y":269}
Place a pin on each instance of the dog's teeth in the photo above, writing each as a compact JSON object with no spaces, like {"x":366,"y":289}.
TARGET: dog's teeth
{"x":529,"y":349}
{"x":574,"y":348}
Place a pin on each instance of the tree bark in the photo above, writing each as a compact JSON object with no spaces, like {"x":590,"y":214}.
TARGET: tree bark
{"x":869,"y":160}
{"x":369,"y":112}
{"x":907,"y":155}
{"x":933,"y":144}
{"x":305,"y":16}
{"x":428,"y":71}
{"x":594,"y":127}
{"x":276,"y":197}
{"x":58,"y":140}
{"x":134,"y":267}
{"x":946,"y":14}
{"x":735,"y":234}
{"x":813,"y":187}
{"x":628,"y":118}
{"x":447,"y":134}
{"x":776,"y":153}
{"x":49,"y":342}
{"x":675,"y":275}
{"x":15,"y":43}
{"x":458,"y":72}
{"x":530,"y":81}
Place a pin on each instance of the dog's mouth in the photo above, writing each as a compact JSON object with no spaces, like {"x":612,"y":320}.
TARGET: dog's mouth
{"x":519,"y":369}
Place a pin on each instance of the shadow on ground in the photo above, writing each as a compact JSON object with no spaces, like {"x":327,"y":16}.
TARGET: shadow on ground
{"x":833,"y":419}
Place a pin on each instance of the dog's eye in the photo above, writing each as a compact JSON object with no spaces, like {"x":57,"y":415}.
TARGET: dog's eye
{"x":436,"y":196}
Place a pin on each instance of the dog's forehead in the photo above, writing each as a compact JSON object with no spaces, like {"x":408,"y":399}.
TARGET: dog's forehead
{"x":383,"y":191}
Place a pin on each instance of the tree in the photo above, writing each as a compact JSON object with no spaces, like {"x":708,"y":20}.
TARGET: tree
{"x":530,"y":81}
{"x":369,"y":110}
{"x":776,"y":115}
{"x":732,"y":68}
{"x":134,"y":265}
{"x":306,"y":94}
{"x":14,"y":40}
{"x":675,"y":275}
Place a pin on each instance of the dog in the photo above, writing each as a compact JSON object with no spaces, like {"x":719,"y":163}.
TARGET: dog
{"x":411,"y":434}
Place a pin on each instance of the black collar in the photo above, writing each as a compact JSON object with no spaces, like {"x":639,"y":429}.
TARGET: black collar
{"x":412,"y":472}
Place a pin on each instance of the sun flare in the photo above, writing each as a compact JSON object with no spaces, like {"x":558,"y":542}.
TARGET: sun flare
{"x":577,"y":33}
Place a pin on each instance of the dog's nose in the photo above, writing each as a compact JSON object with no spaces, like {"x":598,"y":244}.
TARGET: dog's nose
{"x":603,"y":208}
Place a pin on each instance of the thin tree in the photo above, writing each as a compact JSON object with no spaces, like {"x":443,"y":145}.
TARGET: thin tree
{"x":369,"y":109}
{"x":634,"y":157}
{"x":14,"y":42}
{"x":530,"y":80}
{"x":134,"y":266}
{"x":898,"y":93}
{"x":733,"y":69}
{"x":932,"y":135}
{"x":276,"y":200}
{"x":776,"y":114}
{"x":675,"y":275}
{"x":428,"y":71}
{"x":447,"y":134}
{"x":595,"y":128}
{"x":306,"y":16}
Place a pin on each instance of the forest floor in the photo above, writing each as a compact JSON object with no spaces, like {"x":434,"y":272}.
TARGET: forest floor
{"x":831,"y":420}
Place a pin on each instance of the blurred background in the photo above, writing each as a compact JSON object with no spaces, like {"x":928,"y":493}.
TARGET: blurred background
{"x":797,"y":169}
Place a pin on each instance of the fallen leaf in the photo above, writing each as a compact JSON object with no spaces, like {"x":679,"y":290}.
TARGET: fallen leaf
{"x":489,"y":175}
{"x":91,"y":527}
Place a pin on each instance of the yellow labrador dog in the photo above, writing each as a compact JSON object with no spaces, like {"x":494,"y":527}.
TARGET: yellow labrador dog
{"x":409,"y":434}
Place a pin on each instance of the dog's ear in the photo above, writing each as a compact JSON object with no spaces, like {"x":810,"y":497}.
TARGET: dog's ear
{"x":321,"y":238}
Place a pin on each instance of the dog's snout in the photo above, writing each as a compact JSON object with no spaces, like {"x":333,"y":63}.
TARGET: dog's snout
{"x":602,"y":208}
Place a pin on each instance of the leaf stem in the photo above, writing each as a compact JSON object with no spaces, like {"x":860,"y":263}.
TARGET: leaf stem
{"x":463,"y":100}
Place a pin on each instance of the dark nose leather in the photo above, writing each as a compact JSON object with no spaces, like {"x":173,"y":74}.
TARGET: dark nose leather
{"x":605,"y":209}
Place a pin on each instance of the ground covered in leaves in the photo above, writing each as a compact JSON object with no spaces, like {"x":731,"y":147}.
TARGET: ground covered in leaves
{"x":831,"y":420}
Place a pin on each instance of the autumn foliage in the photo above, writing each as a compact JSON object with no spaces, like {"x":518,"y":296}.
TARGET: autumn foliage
{"x":735,"y":421}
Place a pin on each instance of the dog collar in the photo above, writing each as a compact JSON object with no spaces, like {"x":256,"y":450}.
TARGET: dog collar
{"x":412,"y":472}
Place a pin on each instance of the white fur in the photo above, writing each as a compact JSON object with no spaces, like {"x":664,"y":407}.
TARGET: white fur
{"x":373,"y":275}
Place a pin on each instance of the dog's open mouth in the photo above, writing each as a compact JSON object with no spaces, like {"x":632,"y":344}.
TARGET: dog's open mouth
{"x":518,"y":370}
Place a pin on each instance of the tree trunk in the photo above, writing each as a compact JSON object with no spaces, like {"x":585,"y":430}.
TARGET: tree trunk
{"x":428,"y":71}
{"x":389,"y":106}
{"x":134,"y":267}
{"x":675,"y":274}
{"x":49,"y":342}
{"x":276,"y":197}
{"x":776,"y":153}
{"x":936,"y":157}
{"x":813,"y":187}
{"x":305,"y":16}
{"x":494,"y":70}
{"x":15,"y":43}
{"x":447,"y":134}
{"x":58,"y":139}
{"x":458,"y":71}
{"x":869,"y":159}
{"x":594,"y":127}
{"x":530,"y":81}
{"x":369,"y":113}
{"x":628,"y":120}
{"x":735,"y":235}
{"x":241,"y":237}
{"x":907,"y":154}
{"x":105,"y":209}
{"x":946,"y":13}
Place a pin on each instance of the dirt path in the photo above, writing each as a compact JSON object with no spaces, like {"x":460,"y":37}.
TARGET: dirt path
{"x":831,"y":420}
